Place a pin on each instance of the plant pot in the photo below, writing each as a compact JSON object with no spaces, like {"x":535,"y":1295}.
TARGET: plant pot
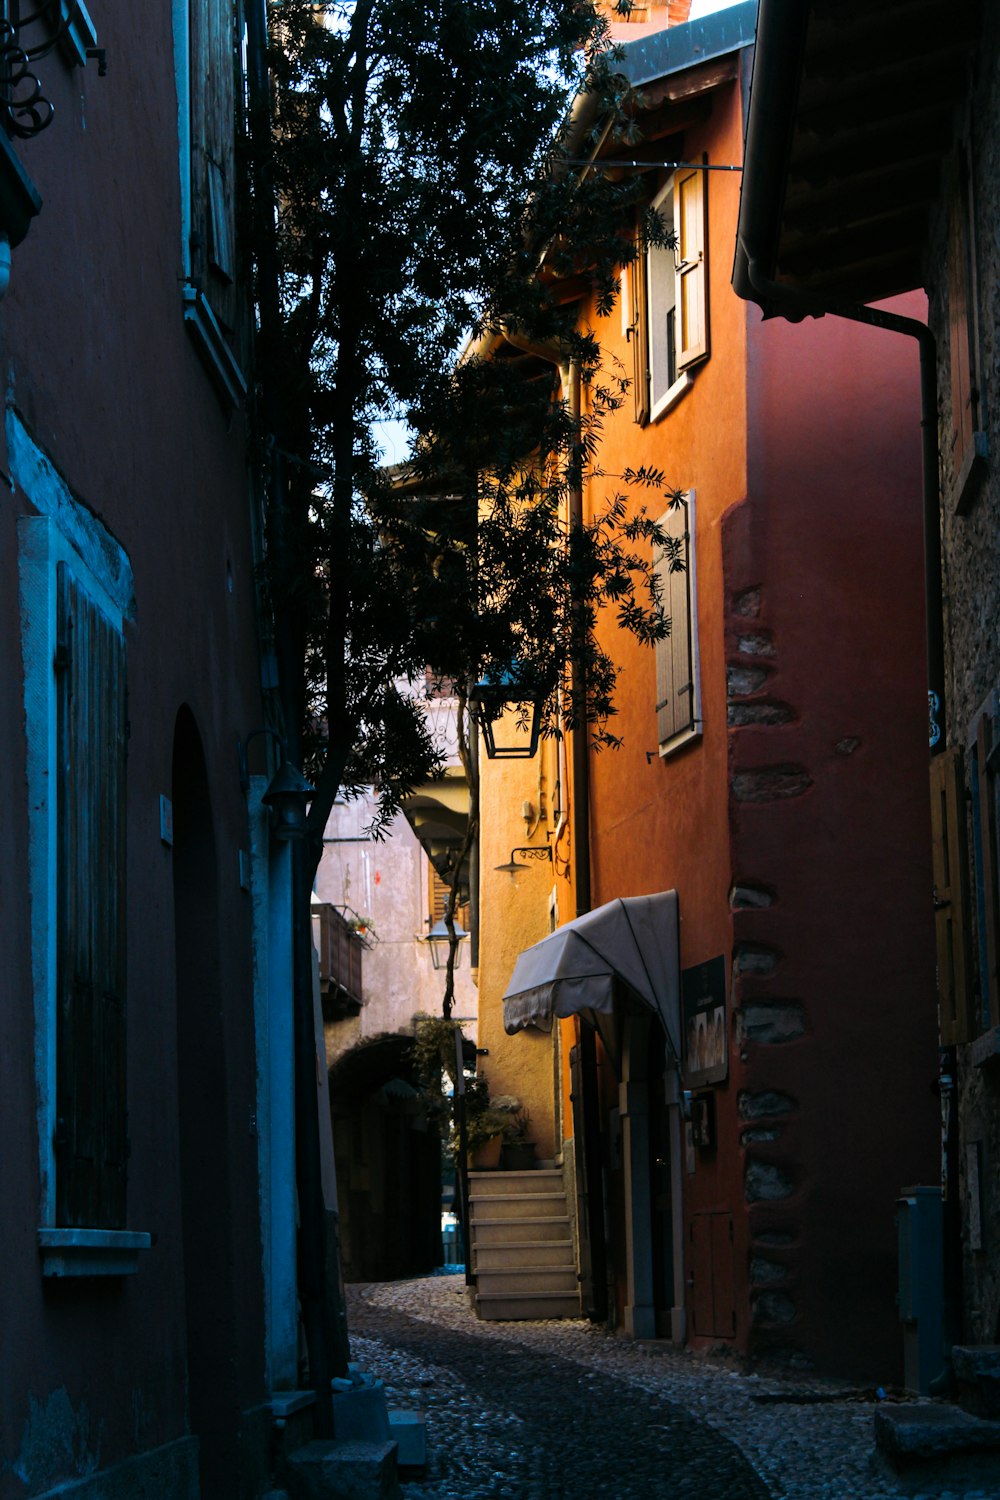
{"x":519,"y":1156}
{"x":486,"y":1158}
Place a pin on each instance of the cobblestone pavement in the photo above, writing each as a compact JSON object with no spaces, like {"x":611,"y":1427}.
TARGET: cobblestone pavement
{"x":565,"y":1411}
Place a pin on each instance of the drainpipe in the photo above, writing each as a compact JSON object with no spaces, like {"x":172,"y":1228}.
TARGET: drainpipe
{"x":773,"y":298}
{"x":581,"y":763}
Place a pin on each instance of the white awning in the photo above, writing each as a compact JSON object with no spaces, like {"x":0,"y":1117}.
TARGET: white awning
{"x":633,"y":940}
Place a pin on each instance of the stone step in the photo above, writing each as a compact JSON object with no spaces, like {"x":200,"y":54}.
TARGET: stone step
{"x":977,"y":1370}
{"x":517,"y":1205}
{"x":924,"y":1431}
{"x":520,"y":1279}
{"x":502,"y":1184}
{"x":492,"y":1231}
{"x":524,"y":1305}
{"x":524,"y":1253}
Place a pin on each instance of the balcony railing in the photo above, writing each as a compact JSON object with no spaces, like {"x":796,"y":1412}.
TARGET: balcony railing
{"x":339,"y":948}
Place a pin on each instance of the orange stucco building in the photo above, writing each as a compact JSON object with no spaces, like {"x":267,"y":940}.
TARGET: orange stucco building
{"x":733,"y":1170}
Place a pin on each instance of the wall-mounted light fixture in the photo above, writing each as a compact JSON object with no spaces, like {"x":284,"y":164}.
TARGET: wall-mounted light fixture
{"x":438,"y":941}
{"x":288,"y":791}
{"x":531,"y":851}
{"x":509,"y":714}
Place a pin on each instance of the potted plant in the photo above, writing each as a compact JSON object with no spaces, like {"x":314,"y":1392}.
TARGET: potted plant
{"x":518,"y":1150}
{"x":485,"y":1125}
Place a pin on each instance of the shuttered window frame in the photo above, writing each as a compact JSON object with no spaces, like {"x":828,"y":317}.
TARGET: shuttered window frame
{"x":205,"y":68}
{"x":968,"y":441}
{"x":678,"y":675}
{"x":983,"y":778}
{"x":45,"y":545}
{"x":665,"y":356}
{"x":949,"y":846}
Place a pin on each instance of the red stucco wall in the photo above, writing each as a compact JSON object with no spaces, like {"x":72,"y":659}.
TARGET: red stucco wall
{"x":96,"y":359}
{"x":802,"y":446}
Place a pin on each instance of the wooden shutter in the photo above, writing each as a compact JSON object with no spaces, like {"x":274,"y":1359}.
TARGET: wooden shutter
{"x":949,"y":845}
{"x":640,"y":340}
{"x":691,"y":227}
{"x":987,"y":750}
{"x":213,"y":163}
{"x":675,"y":664}
{"x":960,"y":347}
{"x":90,"y":1028}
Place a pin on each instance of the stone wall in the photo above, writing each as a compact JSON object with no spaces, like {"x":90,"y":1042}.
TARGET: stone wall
{"x":971,"y":579}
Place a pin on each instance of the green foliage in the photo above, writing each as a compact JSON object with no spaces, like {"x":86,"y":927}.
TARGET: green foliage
{"x":425,"y":188}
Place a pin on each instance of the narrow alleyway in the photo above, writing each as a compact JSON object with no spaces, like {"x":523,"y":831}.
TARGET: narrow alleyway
{"x":563,"y":1411}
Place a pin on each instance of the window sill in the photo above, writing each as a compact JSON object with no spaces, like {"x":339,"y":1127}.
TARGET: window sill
{"x":972,"y":473}
{"x":681,"y":741}
{"x":79,"y":35}
{"x":91,"y":1252}
{"x":217,"y":357}
{"x":670,"y":398}
{"x":19,"y":198}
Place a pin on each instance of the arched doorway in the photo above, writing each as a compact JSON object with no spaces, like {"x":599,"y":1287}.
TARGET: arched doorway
{"x":202,"y":1121}
{"x":388,"y":1164}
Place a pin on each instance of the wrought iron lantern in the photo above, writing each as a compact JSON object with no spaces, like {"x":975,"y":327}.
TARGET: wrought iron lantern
{"x":288,"y":792}
{"x":508,"y":711}
{"x":288,"y":796}
{"x":438,"y":941}
{"x":530,"y":851}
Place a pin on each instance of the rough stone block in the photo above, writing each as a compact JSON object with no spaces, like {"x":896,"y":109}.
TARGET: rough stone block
{"x":773,"y":1307}
{"x":742,"y":681}
{"x":977,"y":1370}
{"x":759,"y":1134}
{"x":767,"y":1272}
{"x":755,"y":958}
{"x":343,"y":1471}
{"x":765,"y":1182}
{"x":916,"y":1431}
{"x":765,"y":712}
{"x":770,"y":783}
{"x":747,"y":603}
{"x":761,"y":1105}
{"x":770,"y":1021}
{"x":360,"y":1414}
{"x":755,"y":643}
{"x":409,"y":1431}
{"x":745,"y":896}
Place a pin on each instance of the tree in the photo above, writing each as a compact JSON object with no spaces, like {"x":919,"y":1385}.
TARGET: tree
{"x":413,"y":181}
{"x":417,"y":187}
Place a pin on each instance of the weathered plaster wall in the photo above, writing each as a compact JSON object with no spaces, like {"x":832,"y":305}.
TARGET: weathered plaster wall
{"x":96,"y":359}
{"x":515,"y":914}
{"x":388,"y":882}
{"x":834,"y":1020}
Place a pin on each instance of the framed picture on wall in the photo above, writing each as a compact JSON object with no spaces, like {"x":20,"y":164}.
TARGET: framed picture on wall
{"x":706,"y":1035}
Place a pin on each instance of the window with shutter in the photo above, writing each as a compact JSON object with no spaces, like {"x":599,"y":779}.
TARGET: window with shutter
{"x":671,"y":296}
{"x":984,"y":787}
{"x":438,"y":899}
{"x":207,"y":70}
{"x":678,"y":694}
{"x":691,"y":225}
{"x":76,"y":592}
{"x":90,"y":931}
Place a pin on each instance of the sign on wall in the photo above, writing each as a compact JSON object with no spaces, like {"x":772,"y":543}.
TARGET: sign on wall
{"x":703,"y":994}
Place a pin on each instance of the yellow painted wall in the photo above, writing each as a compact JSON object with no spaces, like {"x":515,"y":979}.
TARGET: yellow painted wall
{"x":514,"y":913}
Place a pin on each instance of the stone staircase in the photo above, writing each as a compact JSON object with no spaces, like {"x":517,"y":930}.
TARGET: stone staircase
{"x":522,"y":1245}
